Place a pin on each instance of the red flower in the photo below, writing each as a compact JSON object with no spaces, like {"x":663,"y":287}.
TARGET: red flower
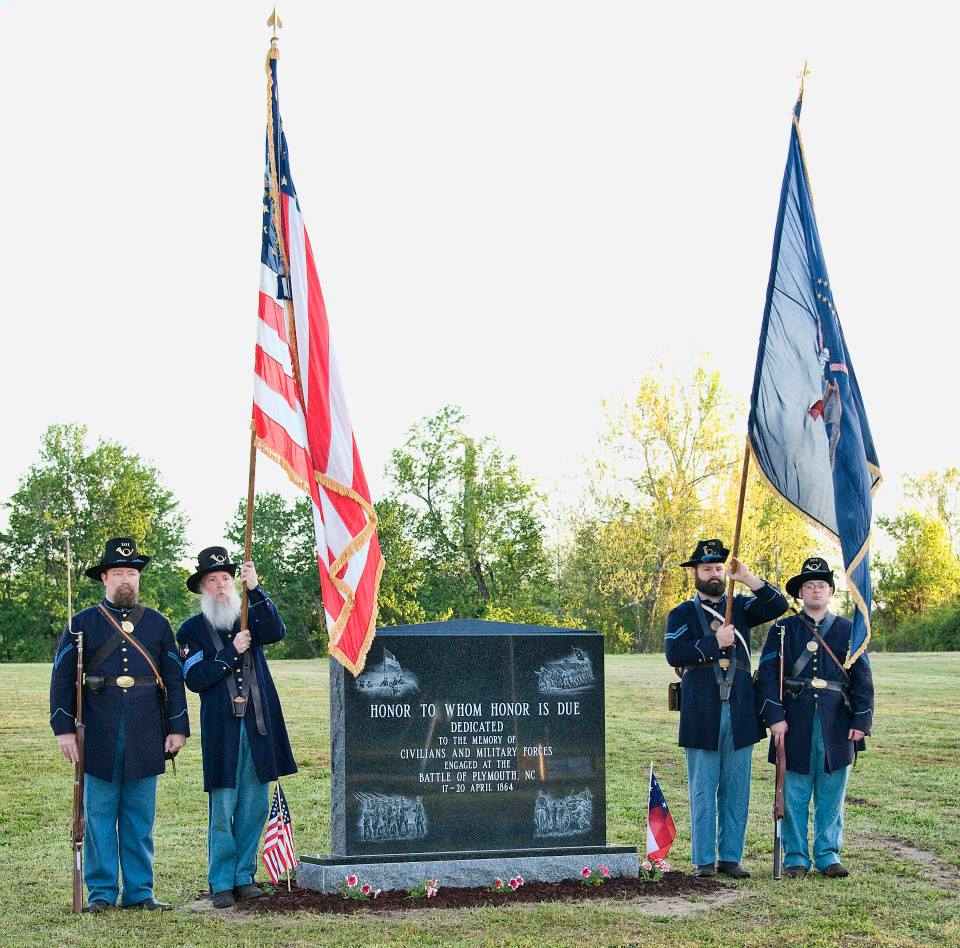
{"x":519,"y":880}
{"x":585,"y":872}
{"x":351,"y":881}
{"x":604,"y":871}
{"x":498,"y":883}
{"x":514,"y":884}
{"x":365,"y":888}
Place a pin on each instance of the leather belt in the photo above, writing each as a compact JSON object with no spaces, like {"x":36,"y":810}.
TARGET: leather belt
{"x":130,"y":681}
{"x":741,"y":666}
{"x":816,"y":684}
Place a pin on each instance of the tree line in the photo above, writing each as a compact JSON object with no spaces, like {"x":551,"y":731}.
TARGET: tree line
{"x":466,"y":534}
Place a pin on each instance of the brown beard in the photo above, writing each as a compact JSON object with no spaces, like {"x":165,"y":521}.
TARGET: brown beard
{"x":125,"y":597}
{"x":712,"y":587}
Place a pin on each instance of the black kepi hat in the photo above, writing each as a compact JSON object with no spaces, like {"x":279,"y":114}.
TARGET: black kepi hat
{"x":120,"y":551}
{"x":211,"y":560}
{"x":708,"y":551}
{"x":814,"y":567}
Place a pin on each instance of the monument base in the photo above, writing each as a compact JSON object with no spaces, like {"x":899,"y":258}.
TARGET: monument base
{"x":463,"y":869}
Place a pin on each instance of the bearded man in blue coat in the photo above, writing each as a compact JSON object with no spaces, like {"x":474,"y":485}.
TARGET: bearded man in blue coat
{"x":718,"y":717}
{"x":820,"y":716}
{"x":130,"y":662}
{"x":242,"y":733}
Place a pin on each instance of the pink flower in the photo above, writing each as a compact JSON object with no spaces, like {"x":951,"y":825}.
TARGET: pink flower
{"x":585,"y":872}
{"x":519,"y":880}
{"x":646,"y":865}
{"x":351,"y":881}
{"x":365,"y":888}
{"x":498,"y":883}
{"x":376,"y":893}
{"x":433,"y":882}
{"x":604,"y":871}
{"x":514,"y":884}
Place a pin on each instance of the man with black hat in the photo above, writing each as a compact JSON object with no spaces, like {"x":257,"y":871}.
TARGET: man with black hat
{"x":718,"y":719}
{"x":820,"y":715}
{"x":133,"y":682}
{"x":242,"y":734}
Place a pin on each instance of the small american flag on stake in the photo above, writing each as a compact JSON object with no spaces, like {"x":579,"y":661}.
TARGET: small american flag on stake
{"x":278,"y":849}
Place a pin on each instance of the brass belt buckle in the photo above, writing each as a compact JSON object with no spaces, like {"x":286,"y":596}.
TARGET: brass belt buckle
{"x":724,"y":663}
{"x":126,"y":681}
{"x":817,"y":683}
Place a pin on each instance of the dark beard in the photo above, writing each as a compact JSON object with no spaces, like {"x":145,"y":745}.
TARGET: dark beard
{"x":709,"y":587}
{"x":125,"y":597}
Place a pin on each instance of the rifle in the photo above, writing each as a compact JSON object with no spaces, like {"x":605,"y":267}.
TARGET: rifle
{"x":778,"y":792}
{"x":76,"y":834}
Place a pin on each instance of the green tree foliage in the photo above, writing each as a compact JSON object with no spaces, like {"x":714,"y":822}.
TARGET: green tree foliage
{"x":922,"y":574}
{"x":283,"y":550}
{"x":467,"y":525}
{"x":90,"y":495}
{"x":669,"y":476}
{"x":938,"y":495}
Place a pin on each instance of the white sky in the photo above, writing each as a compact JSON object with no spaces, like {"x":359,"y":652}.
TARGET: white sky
{"x":517,"y":207}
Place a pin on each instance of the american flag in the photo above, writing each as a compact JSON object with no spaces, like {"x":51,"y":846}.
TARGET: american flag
{"x":278,"y":850}
{"x":300,"y":410}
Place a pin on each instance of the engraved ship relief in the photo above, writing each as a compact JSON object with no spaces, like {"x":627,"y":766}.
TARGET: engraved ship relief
{"x":384,"y":816}
{"x":568,"y":675}
{"x":571,"y":815}
{"x":388,"y":679}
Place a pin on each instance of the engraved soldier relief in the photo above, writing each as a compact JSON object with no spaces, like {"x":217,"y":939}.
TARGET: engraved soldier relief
{"x":387,"y":678}
{"x":571,"y":815}
{"x":570,"y":674}
{"x":390,"y":817}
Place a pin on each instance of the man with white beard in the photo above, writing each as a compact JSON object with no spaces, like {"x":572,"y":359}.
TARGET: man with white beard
{"x":242,"y":734}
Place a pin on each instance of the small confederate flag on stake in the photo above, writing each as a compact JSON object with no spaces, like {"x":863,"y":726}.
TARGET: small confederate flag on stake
{"x":300,"y":410}
{"x":660,"y":829}
{"x":278,"y":852}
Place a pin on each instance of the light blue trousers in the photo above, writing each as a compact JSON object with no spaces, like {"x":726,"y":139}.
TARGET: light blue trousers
{"x":828,"y":792}
{"x":118,"y":834}
{"x":719,"y":797}
{"x":235,"y":822}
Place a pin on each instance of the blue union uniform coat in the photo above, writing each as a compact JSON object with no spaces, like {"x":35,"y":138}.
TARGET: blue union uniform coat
{"x":143,"y":732}
{"x":690,"y":641}
{"x":206,"y":671}
{"x":835,"y":718}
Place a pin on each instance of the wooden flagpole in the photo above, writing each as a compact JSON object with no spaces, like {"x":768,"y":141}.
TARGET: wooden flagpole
{"x":248,"y":534}
{"x":735,"y":549}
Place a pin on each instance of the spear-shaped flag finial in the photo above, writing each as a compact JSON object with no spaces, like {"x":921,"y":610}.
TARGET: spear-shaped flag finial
{"x":275,"y":21}
{"x":800,"y":75}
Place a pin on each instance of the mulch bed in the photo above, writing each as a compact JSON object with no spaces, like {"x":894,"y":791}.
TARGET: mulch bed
{"x":306,"y":900}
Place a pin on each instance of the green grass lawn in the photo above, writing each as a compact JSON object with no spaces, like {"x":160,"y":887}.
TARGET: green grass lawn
{"x":906,"y":786}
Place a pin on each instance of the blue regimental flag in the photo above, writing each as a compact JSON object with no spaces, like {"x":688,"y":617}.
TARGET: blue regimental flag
{"x":808,"y":429}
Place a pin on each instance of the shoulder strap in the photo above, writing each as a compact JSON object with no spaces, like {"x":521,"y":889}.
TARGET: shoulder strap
{"x":723,"y":620}
{"x":829,"y":651}
{"x":103,"y":653}
{"x":128,"y":636}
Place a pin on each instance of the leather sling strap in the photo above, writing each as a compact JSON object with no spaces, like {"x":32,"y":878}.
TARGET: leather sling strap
{"x":108,"y":647}
{"x":816,"y":631}
{"x":251,"y":686}
{"x":128,"y":636}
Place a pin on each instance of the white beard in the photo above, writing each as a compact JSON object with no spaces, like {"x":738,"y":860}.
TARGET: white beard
{"x":221,"y":615}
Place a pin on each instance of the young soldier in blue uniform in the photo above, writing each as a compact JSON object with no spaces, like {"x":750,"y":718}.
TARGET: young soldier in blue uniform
{"x":242,"y":734}
{"x":718,"y":718}
{"x":820,"y":717}
{"x":126,"y":736}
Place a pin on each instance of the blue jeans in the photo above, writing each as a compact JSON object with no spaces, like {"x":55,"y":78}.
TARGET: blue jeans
{"x":235,"y":822}
{"x":828,"y":792}
{"x":118,"y":834}
{"x":719,"y":797}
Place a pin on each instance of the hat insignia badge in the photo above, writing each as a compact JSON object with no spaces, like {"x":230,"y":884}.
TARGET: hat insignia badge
{"x":218,"y":558}
{"x":125,"y":550}
{"x":708,"y":551}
